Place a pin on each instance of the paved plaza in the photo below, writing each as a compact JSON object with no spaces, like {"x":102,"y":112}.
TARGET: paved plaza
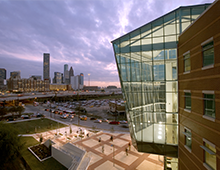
{"x":114,"y":157}
{"x":104,"y":153}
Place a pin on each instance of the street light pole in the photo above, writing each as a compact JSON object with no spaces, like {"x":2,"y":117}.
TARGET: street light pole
{"x":89,"y":78}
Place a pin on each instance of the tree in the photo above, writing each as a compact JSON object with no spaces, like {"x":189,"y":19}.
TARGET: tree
{"x":3,"y":111}
{"x":12,"y":109}
{"x":20,"y":109}
{"x":10,"y":144}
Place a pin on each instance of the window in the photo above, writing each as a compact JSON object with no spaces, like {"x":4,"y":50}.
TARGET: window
{"x":187,"y":65}
{"x":210,"y":155}
{"x":208,"y":54}
{"x":209,"y":105}
{"x":188,"y":138}
{"x":188,"y":101}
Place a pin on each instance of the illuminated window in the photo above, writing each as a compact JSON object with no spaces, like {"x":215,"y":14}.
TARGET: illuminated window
{"x":188,"y":101}
{"x":188,"y":138}
{"x":209,"y":105}
{"x":187,"y":65}
{"x":210,"y":155}
{"x":208,"y":54}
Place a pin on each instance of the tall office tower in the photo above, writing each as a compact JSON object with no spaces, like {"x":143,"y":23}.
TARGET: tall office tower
{"x":71,"y":73}
{"x":2,"y":73}
{"x":57,"y":78}
{"x":81,"y":79}
{"x":15,"y":74}
{"x":199,"y":92}
{"x":2,"y":77}
{"x":147,"y":65}
{"x":66,"y":74}
{"x":62,"y":79}
{"x":46,"y":66}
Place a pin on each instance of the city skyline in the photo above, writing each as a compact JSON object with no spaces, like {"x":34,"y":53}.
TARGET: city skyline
{"x":29,"y":29}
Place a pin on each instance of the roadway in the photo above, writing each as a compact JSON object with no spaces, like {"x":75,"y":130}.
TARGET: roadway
{"x":23,"y":96}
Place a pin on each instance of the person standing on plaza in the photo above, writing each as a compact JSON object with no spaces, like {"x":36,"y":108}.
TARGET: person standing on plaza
{"x":126,"y":150}
{"x":111,"y":138}
{"x":129,"y":145}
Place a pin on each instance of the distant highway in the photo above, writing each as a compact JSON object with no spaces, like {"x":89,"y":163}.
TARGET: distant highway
{"x":23,"y":96}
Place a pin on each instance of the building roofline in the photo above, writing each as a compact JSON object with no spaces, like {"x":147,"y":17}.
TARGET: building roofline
{"x":199,"y":16}
{"x":159,"y":18}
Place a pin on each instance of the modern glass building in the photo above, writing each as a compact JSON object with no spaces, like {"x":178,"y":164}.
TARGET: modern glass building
{"x":81,"y":81}
{"x":46,"y":66}
{"x":57,"y":78}
{"x":147,"y":65}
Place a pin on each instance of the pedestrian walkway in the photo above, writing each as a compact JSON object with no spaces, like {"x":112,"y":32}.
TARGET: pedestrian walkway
{"x":105,"y":153}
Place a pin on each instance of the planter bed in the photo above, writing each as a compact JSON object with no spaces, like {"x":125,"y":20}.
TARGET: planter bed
{"x":40,"y":151}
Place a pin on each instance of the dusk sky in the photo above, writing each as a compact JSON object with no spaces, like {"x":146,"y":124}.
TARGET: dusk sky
{"x":76,"y":32}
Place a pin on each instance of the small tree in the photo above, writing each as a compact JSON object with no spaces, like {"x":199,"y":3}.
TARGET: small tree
{"x":20,"y":110}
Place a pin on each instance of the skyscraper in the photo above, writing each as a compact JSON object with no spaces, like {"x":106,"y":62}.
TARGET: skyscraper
{"x":71,"y":73}
{"x":81,"y":79}
{"x":66,"y":74}
{"x":65,"y":67}
{"x":2,"y":73}
{"x":46,"y":66}
{"x":2,"y":77}
{"x":57,"y":78}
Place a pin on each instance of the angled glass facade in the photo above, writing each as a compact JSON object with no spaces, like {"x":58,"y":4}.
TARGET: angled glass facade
{"x":147,"y":65}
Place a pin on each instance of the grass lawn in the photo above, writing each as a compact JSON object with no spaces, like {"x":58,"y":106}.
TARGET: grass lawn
{"x":33,"y":162}
{"x":39,"y":125}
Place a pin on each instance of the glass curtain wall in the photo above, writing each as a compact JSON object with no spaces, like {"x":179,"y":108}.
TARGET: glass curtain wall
{"x":147,"y":65}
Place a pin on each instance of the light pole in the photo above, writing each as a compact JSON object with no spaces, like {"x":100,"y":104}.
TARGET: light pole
{"x":113,"y":154}
{"x":89,"y":78}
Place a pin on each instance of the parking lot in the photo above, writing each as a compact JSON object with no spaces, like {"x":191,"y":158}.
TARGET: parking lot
{"x":98,"y":109}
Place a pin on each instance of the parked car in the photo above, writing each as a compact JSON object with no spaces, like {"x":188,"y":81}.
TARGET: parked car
{"x":123,"y":122}
{"x":71,"y":116}
{"x":114,"y":122}
{"x":25,"y":116}
{"x":105,"y":120}
{"x":10,"y":119}
{"x":83,"y":117}
{"x":98,"y":121}
{"x":64,"y":116}
{"x":93,"y":118}
{"x":40,"y":115}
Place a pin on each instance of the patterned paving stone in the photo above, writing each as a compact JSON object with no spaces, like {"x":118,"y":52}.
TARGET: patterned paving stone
{"x":122,"y":157}
{"x":94,"y":157}
{"x":108,"y":165}
{"x":107,"y":149}
{"x":90,"y":143}
{"x":147,"y":165}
